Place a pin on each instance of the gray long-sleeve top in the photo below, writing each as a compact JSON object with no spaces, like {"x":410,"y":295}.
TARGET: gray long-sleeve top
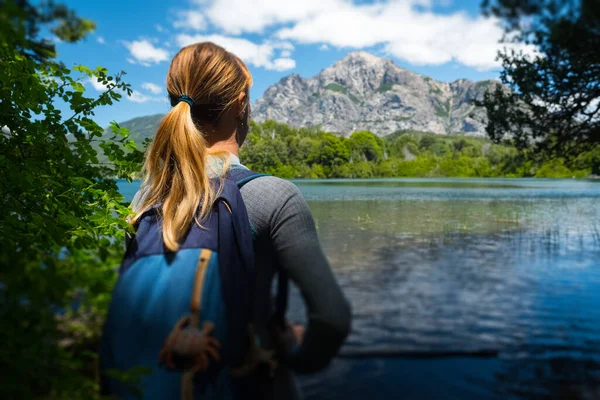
{"x":286,"y":235}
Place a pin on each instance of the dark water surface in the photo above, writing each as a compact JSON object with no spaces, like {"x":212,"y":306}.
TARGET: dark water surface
{"x":430,"y":266}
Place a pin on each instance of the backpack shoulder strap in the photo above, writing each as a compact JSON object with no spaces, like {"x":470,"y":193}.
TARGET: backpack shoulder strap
{"x":242,"y":176}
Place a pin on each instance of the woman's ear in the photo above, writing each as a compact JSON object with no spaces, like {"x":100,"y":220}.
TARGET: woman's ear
{"x":241,"y":103}
{"x":243,"y":115}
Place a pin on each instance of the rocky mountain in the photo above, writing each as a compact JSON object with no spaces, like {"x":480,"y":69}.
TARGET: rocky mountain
{"x":362,"y":92}
{"x":365,"y":92}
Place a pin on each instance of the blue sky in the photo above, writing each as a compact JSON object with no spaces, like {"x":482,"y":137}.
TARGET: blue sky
{"x":444,"y":39}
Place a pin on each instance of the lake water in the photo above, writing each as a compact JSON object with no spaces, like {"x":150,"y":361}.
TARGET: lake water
{"x":510,"y":267}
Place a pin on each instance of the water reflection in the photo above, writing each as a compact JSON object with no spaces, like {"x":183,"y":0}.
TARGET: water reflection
{"x":532,"y":296}
{"x":456,"y":378}
{"x":556,"y":378}
{"x":494,"y":271}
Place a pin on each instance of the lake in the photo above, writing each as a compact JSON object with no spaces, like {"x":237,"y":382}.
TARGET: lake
{"x":510,"y":267}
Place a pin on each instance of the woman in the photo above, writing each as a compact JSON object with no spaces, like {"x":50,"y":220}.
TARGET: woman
{"x":200,"y":137}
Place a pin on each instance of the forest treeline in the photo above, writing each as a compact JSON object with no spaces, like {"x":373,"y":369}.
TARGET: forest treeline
{"x":291,"y":153}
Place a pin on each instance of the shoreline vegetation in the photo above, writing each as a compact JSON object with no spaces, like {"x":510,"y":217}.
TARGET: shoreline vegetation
{"x":310,"y":153}
{"x":291,"y":153}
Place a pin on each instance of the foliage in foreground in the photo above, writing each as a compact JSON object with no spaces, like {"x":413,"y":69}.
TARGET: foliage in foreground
{"x":62,"y":223}
{"x":552,"y":107}
{"x":286,"y":152}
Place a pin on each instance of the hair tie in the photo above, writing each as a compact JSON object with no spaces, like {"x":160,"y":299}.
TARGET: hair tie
{"x":186,"y":99}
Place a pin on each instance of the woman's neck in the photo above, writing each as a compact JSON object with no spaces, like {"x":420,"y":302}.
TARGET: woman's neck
{"x":221,"y":138}
{"x":229,"y":146}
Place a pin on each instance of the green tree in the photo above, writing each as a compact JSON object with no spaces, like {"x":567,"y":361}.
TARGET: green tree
{"x":553,"y":169}
{"x":317,"y":172}
{"x":312,"y":153}
{"x":403,"y":144}
{"x":301,"y":148}
{"x":362,"y":169}
{"x":386,"y":169}
{"x":342,"y":171}
{"x":63,"y":219}
{"x":330,"y":151}
{"x":427,"y":141}
{"x":434,"y":144}
{"x":439,"y":149}
{"x":365,"y":146}
{"x":460,"y":166}
{"x":482,"y":167}
{"x":264,"y":154}
{"x":304,"y":171}
{"x":552,"y":105}
{"x":286,"y":172}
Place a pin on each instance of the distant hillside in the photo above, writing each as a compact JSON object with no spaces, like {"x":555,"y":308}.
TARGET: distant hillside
{"x":142,"y":127}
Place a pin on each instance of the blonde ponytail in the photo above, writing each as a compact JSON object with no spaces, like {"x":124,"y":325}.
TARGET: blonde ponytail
{"x":175,"y":165}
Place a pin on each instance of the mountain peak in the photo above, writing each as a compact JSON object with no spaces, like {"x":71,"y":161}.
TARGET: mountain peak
{"x":291,"y":77}
{"x":366,"y":92}
{"x":363,"y":56}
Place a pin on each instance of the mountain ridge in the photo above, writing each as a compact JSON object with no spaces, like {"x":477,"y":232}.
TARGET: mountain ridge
{"x":363,"y":92}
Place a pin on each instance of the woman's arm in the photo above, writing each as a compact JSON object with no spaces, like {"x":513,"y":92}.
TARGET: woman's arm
{"x":298,"y":251}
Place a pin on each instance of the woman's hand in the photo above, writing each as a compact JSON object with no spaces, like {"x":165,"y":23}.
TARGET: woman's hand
{"x":297,"y":331}
{"x":288,"y":338}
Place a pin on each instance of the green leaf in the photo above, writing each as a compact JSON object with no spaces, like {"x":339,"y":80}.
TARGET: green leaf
{"x":78,"y":87}
{"x":61,"y":225}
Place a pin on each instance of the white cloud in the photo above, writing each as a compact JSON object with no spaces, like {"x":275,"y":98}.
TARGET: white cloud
{"x":281,"y":45}
{"x":407,"y":29}
{"x":283,"y":64}
{"x":159,"y":28}
{"x":259,"y":55}
{"x":190,"y":20}
{"x":151,"y":87}
{"x":239,"y":16}
{"x":100,"y":40}
{"x":144,"y":52}
{"x":138,"y":97}
{"x":99,"y":86}
{"x":417,"y":36}
{"x":285,"y":53}
{"x":323,"y":47}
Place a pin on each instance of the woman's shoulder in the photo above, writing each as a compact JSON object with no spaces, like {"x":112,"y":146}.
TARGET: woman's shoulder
{"x":269,"y":199}
{"x":271,"y":186}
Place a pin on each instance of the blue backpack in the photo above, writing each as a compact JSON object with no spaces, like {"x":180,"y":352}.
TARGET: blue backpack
{"x":184,"y":319}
